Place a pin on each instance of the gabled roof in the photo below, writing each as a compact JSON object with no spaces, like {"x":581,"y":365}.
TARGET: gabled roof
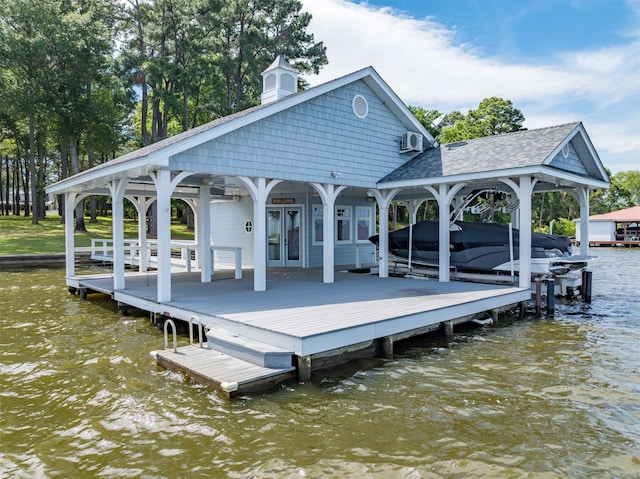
{"x":140,"y":162}
{"x":494,"y":154}
{"x":628,"y":214}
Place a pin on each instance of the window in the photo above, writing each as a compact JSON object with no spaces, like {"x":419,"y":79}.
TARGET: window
{"x":363,"y":228}
{"x":343,"y":224}
{"x":317,"y":224}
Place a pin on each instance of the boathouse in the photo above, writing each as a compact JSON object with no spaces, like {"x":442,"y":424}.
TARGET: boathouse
{"x":616,"y":228}
{"x":289,"y":192}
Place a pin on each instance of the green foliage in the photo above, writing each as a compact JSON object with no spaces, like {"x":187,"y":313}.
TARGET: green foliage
{"x":493,"y":116}
{"x":549,"y":206}
{"x":58,"y":90}
{"x":427,"y":118}
{"x":624,"y":192}
{"x":195,"y":61}
{"x":564,"y":226}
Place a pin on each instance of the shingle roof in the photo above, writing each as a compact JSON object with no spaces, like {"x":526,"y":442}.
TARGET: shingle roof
{"x":628,"y":214}
{"x":491,"y":153}
{"x":146,"y":150}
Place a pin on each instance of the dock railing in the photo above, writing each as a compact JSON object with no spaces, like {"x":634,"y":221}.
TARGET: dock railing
{"x":184,"y":253}
{"x":102,"y":250}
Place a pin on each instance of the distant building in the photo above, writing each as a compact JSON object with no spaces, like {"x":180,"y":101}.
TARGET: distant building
{"x":616,"y":227}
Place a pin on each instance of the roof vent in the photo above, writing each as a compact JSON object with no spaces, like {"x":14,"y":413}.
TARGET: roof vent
{"x":360,"y":106}
{"x":411,"y":141}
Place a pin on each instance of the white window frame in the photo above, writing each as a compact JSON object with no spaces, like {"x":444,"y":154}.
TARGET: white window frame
{"x":317,"y":218}
{"x":340,"y":217}
{"x":369,"y":219}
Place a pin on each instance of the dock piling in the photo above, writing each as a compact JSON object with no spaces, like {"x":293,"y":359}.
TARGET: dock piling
{"x":523,"y":309}
{"x":551,"y":292}
{"x":387,"y":347}
{"x":585,"y":291}
{"x":447,"y":328}
{"x":304,"y":368}
{"x":538,"y":298}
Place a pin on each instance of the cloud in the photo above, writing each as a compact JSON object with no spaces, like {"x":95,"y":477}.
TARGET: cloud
{"x":427,"y":65}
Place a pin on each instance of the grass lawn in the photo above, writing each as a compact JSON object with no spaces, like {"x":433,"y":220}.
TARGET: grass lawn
{"x":19,"y":236}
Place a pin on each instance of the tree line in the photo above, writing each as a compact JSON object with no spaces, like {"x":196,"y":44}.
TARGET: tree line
{"x":83,"y":81}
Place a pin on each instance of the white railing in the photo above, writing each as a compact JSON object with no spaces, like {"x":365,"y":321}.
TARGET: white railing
{"x":102,"y":250}
{"x":183,"y":253}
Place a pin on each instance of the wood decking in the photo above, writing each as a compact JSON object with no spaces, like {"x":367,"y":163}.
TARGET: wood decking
{"x":221,"y":371}
{"x":299,"y":313}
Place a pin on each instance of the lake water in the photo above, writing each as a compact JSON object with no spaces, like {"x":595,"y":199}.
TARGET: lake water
{"x":80,"y":396}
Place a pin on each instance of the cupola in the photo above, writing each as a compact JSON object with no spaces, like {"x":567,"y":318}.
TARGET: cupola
{"x":278,"y":81}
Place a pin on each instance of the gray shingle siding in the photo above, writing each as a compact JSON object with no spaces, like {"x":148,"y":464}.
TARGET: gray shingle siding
{"x":571,"y":163}
{"x":309,"y":141}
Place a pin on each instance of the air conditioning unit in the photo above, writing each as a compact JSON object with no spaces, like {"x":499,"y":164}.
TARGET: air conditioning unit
{"x":411,"y":141}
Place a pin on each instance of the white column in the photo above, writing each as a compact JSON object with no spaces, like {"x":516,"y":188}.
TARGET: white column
{"x":383,"y":199}
{"x":524,"y":195}
{"x":194,"y":204}
{"x":203,"y":222}
{"x":141,"y":203}
{"x":383,"y":240}
{"x":583,"y":196}
{"x":117,"y":189}
{"x":259,"y":236}
{"x":412,"y":207}
{"x":259,"y":189}
{"x":328,"y":234}
{"x":69,"y":240}
{"x":444,"y":195}
{"x":524,"y":190}
{"x":328,"y":194}
{"x":163,"y":190}
{"x":142,"y":232}
{"x":444,"y":251}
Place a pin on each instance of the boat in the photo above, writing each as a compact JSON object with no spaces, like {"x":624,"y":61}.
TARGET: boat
{"x":481,"y":248}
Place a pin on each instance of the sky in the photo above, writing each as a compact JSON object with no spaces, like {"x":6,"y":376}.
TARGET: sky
{"x":558,"y":61}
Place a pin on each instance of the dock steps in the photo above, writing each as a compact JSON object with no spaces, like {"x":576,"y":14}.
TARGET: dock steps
{"x":231,"y":375}
{"x":252,"y":351}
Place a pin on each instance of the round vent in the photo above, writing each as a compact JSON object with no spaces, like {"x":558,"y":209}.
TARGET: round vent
{"x":565,"y":150}
{"x":360,"y":106}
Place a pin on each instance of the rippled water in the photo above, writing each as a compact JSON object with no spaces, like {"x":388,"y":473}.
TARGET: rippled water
{"x":536,"y":398}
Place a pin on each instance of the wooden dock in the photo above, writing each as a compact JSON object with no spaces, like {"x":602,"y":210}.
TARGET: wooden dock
{"x":230,"y":375}
{"x":300,"y":316}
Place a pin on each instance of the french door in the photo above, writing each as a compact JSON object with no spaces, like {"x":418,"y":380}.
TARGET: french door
{"x":284,"y":236}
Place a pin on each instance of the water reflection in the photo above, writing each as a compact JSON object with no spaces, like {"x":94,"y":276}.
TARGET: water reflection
{"x":560,"y":397}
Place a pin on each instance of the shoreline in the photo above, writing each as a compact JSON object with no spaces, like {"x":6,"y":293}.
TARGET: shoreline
{"x":10,"y":261}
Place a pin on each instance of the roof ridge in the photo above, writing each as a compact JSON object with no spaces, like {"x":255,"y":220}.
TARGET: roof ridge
{"x":510,"y":133}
